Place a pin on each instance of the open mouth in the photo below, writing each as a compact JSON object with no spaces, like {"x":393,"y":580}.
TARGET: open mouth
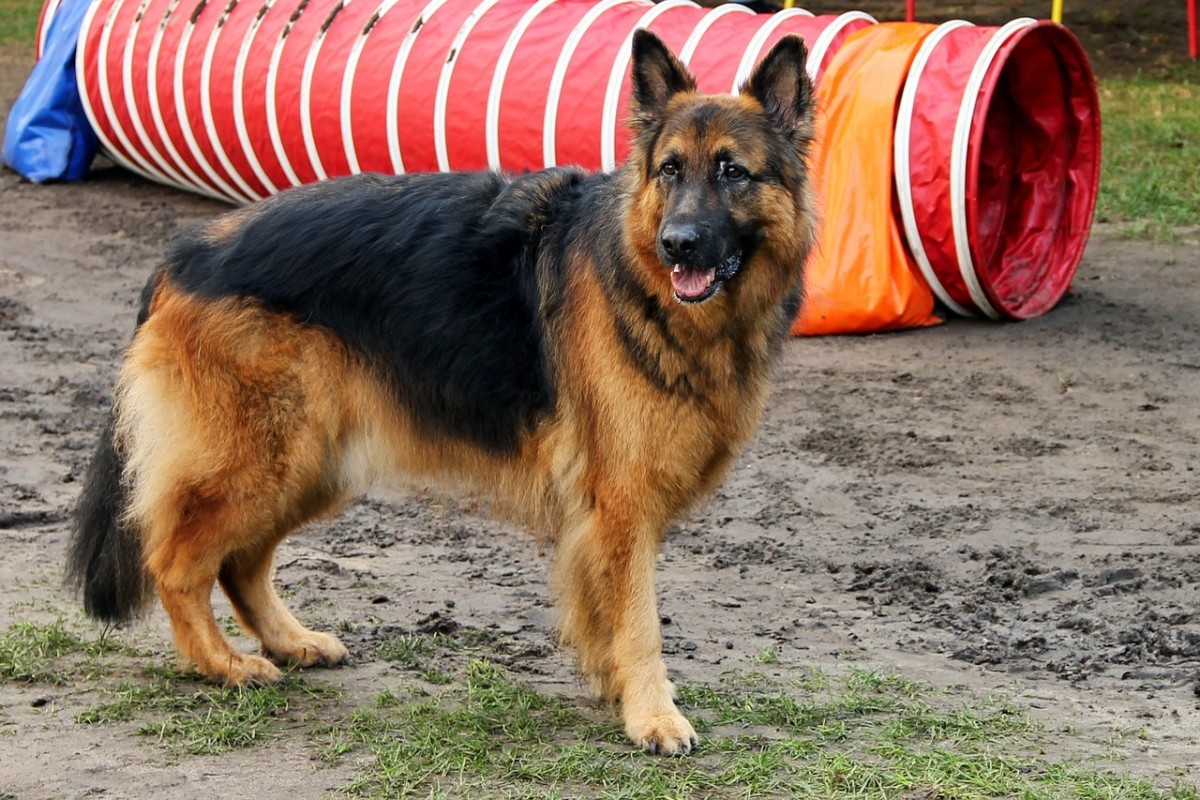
{"x":693,"y":285}
{"x":697,"y":285}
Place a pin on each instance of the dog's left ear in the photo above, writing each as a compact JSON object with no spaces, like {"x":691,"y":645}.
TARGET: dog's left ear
{"x":781,"y":85}
{"x":657,"y":77}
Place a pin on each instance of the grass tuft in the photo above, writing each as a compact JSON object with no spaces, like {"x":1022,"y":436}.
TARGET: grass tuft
{"x":198,"y":719}
{"x":33,"y":653}
{"x":409,"y":651}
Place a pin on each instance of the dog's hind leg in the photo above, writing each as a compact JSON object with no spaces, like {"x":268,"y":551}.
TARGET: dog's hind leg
{"x":229,"y":416}
{"x":609,"y":614}
{"x":246,"y":578}
{"x":206,"y":533}
{"x":185,"y":568}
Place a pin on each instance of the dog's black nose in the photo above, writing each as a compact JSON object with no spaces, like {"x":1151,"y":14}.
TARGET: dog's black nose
{"x":679,"y":240}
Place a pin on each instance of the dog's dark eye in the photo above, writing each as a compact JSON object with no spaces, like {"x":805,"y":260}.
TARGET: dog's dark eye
{"x":732,"y":172}
{"x":668,"y":169}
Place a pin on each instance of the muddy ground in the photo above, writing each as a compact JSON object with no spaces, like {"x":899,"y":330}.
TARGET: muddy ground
{"x":1002,"y":509}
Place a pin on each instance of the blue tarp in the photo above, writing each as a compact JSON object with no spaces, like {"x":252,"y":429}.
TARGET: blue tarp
{"x":48,"y":136}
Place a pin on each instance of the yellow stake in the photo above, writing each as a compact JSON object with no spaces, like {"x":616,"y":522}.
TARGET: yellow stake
{"x":789,"y":3}
{"x":1056,"y":11}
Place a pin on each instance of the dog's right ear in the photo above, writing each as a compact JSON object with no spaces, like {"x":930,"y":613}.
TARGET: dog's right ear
{"x":657,"y":77}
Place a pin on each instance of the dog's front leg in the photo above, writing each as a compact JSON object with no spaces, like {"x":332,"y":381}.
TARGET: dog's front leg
{"x":609,"y":614}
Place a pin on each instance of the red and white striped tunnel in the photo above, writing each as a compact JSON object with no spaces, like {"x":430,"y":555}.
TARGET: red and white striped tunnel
{"x":996,"y":150}
{"x":241,"y":100}
{"x":997,"y":164}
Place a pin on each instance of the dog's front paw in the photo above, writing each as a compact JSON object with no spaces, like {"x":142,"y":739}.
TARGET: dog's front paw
{"x":242,"y":669}
{"x":665,"y":734}
{"x":312,"y":649}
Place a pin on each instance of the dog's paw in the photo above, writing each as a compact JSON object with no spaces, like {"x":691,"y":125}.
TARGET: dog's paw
{"x":246,"y":670}
{"x":312,"y":649}
{"x":667,"y":734}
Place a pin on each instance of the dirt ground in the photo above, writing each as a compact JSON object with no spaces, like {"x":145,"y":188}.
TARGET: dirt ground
{"x":1001,"y":509}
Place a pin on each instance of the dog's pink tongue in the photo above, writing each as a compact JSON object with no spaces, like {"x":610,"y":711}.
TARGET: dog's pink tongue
{"x":691,"y":282}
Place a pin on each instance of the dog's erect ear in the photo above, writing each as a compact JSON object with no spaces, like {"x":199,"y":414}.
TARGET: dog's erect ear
{"x":781,"y":84}
{"x":657,"y":77}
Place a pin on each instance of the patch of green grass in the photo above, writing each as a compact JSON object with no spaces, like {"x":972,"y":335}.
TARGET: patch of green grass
{"x":471,"y":731}
{"x":437,"y":677}
{"x":18,"y":20}
{"x":767,"y":656}
{"x":864,"y":735}
{"x":410,"y":650}
{"x":1150,"y":174}
{"x":197,"y":719}
{"x":417,"y":651}
{"x":48,"y":653}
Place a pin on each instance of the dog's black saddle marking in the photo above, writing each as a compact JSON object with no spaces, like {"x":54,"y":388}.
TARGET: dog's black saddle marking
{"x":433,"y":277}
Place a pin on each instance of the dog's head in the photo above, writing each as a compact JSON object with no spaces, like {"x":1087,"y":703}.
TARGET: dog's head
{"x":720,"y":179}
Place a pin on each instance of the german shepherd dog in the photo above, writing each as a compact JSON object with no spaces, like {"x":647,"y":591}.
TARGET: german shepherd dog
{"x":589,"y":352}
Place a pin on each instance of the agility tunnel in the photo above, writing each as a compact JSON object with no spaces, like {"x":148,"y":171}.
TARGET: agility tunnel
{"x":997,"y":164}
{"x":243,"y":100}
{"x":956,"y":163}
{"x":968,"y":155}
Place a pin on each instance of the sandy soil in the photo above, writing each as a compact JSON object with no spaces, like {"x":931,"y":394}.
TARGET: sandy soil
{"x":1000,"y":508}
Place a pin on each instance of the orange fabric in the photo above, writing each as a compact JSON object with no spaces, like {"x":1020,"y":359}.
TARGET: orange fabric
{"x":860,"y":278}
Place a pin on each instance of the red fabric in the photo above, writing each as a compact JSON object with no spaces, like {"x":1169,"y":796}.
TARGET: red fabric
{"x":205,"y":27}
{"x":466,"y":103}
{"x":123,"y":13}
{"x":419,"y":85}
{"x":578,"y":121}
{"x":128,"y":24}
{"x":673,"y":27}
{"x":1193,"y":29}
{"x":88,"y":63}
{"x":527,"y":84}
{"x":935,"y":112}
{"x":716,"y":60}
{"x":221,"y":92}
{"x":294,"y":44}
{"x":165,"y":96}
{"x":146,"y":76}
{"x":366,"y":139}
{"x":369,"y":85}
{"x":1033,"y":170}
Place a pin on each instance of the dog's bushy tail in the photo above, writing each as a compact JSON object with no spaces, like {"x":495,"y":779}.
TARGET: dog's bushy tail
{"x":104,"y":559}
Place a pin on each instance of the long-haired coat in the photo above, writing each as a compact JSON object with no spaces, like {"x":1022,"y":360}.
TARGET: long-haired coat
{"x":588,"y":351}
